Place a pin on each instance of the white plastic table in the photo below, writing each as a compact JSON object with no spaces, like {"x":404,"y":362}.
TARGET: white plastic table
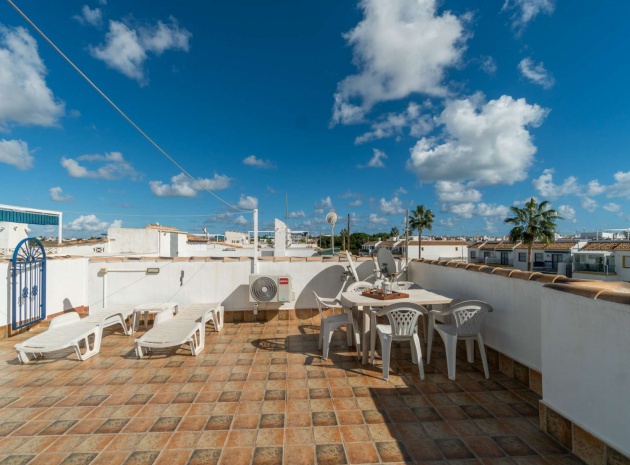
{"x":150,"y":308}
{"x":363,"y":304}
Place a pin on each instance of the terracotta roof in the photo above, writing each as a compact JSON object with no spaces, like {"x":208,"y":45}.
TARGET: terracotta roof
{"x":477,"y":245}
{"x":160,"y":227}
{"x":386,"y":243}
{"x":607,"y":245}
{"x":553,"y":246}
{"x":371,"y":243}
{"x":193,"y":238}
{"x":498,"y":246}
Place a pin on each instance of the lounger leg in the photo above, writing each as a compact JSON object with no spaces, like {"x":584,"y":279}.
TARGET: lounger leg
{"x":139,"y":349}
{"x":96,"y":345}
{"x":23,"y":356}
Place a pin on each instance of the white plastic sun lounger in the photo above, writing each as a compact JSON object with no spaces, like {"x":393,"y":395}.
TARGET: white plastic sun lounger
{"x":187,"y":327}
{"x":70,"y":330}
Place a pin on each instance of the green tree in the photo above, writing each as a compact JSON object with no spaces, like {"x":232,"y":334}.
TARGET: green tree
{"x":421,"y":219}
{"x":344,"y":234}
{"x":394,"y":232}
{"x":534,"y":222}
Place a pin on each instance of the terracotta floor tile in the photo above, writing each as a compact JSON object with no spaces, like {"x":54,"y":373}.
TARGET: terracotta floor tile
{"x":268,"y":456}
{"x":329,"y":454}
{"x":296,"y":436}
{"x":299,"y":455}
{"x":212,"y":439}
{"x":142,"y":457}
{"x":362,"y":453}
{"x":241,"y":438}
{"x":327,"y":435}
{"x":237,"y":456}
{"x":205,"y":457}
{"x":270,"y":437}
{"x":173,"y":457}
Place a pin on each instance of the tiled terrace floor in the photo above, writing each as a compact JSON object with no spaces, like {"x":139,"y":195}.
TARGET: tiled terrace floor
{"x":260,"y":394}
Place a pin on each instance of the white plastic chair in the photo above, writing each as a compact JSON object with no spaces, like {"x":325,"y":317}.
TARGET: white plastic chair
{"x":466,"y":318}
{"x":332,"y":323}
{"x":403,"y":326}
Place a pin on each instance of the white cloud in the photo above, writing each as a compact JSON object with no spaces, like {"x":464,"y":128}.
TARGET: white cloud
{"x":247,"y":202}
{"x":376,"y":161}
{"x":485,"y":209}
{"x":612,"y":207}
{"x":116,"y":224}
{"x":356,"y":203}
{"x":297,"y":214}
{"x":25,"y":97}
{"x":393,"y":124}
{"x":456,"y":192}
{"x":114,"y":166}
{"x":256,"y":162}
{"x":486,"y":143}
{"x":463,"y":210}
{"x":90,"y":16}
{"x":391,"y":207}
{"x":16,"y":153}
{"x":241,"y":220}
{"x":595,"y":188}
{"x":547,"y":189}
{"x":323,"y":205}
{"x":490,"y":225}
{"x":400,"y":47}
{"x":183,"y":186}
{"x":447,"y":223}
{"x":400,"y":190}
{"x":525,"y":11}
{"x":488,"y":65}
{"x":536,"y":73}
{"x":621,"y":187}
{"x":126,"y":48}
{"x":567,"y":212}
{"x":374,"y":220}
{"x":589,"y":205}
{"x":56,"y":195}
{"x":90,"y":223}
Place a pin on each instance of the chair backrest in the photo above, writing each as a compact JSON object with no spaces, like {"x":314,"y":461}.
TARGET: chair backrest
{"x":320,"y":304}
{"x":359,"y":287}
{"x":468,"y":316}
{"x":403,"y":317}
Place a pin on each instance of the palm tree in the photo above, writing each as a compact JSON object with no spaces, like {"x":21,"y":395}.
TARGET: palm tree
{"x":394,"y":232}
{"x":420,"y":219}
{"x":535,"y":221}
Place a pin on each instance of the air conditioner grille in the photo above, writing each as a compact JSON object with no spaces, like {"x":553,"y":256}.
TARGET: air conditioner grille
{"x":264,"y":289}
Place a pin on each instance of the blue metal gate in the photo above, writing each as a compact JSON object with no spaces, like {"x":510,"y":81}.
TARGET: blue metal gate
{"x":28,"y":283}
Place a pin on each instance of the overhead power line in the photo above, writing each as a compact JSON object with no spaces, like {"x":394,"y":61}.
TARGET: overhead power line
{"x":122,"y":113}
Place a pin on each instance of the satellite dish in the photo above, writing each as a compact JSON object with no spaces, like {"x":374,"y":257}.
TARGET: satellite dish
{"x":331,"y":218}
{"x":386,"y":262}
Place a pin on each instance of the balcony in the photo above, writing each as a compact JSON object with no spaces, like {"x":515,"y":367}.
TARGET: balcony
{"x":260,"y":393}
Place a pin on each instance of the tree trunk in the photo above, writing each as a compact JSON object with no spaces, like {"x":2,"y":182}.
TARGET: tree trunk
{"x":529,"y":257}
{"x":419,"y":243}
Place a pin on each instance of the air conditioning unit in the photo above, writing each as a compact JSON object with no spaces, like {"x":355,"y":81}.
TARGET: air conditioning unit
{"x":269,"y":288}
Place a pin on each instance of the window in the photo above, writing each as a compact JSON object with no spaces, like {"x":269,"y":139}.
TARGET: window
{"x":473,"y":254}
{"x":539,"y":257}
{"x":626,"y":261}
{"x":522,"y":257}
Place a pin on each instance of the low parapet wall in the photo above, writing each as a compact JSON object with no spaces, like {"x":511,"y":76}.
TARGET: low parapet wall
{"x":575,"y":331}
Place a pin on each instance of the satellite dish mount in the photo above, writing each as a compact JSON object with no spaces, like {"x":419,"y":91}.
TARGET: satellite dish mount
{"x":331,"y":219}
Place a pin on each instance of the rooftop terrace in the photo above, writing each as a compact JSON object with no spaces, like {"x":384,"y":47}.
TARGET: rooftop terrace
{"x":261,"y":394}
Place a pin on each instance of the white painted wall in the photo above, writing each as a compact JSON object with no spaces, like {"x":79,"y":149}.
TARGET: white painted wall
{"x":586,"y":368}
{"x":513,"y":328}
{"x":11,"y":234}
{"x":127,"y":283}
{"x":134,"y":241}
{"x":66,"y":286}
{"x":437,"y":252}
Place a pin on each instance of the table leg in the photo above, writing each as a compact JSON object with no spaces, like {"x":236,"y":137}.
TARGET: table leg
{"x":365,"y":347}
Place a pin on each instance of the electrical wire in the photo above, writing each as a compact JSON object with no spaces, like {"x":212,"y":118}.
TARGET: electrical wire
{"x":129,"y":120}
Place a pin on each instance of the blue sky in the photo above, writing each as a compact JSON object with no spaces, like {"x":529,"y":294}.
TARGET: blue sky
{"x":365,"y":107}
